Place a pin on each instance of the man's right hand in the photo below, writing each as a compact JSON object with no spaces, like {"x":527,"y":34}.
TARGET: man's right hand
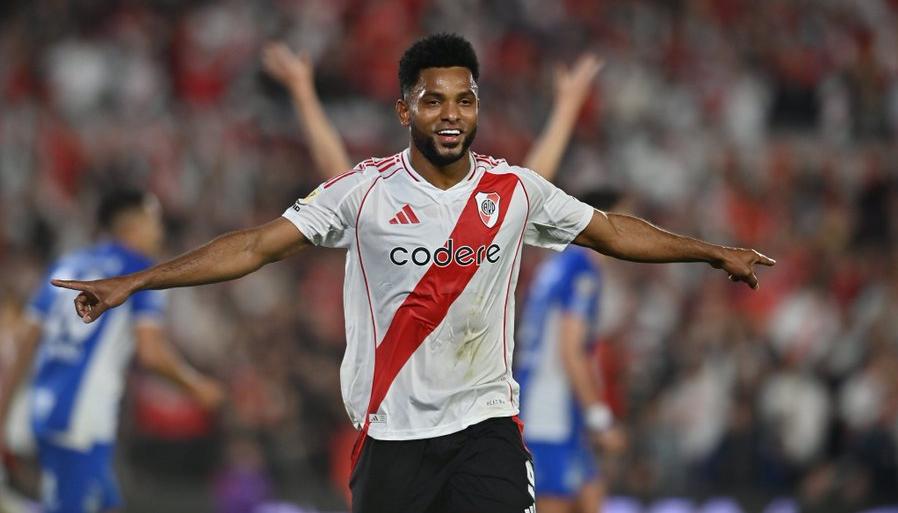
{"x":739,"y":264}
{"x":99,"y":295}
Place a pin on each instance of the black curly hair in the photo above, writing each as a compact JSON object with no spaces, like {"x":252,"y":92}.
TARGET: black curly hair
{"x":116,"y":201}
{"x":436,"y":51}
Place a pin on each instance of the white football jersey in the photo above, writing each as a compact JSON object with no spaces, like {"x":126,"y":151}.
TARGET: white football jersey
{"x":429,"y":287}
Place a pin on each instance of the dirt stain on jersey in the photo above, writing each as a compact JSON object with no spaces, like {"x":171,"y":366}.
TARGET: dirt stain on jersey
{"x":472,"y":340}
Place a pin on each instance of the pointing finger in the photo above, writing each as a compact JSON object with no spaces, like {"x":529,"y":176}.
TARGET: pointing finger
{"x":765,"y":260}
{"x":70,"y":284}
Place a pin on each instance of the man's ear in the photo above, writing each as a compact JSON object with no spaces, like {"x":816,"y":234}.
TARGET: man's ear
{"x":403,"y":112}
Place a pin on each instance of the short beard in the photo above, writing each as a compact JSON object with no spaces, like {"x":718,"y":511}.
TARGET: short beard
{"x":428,"y":147}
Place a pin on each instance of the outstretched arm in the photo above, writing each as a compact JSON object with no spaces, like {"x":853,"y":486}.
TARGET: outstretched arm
{"x":631,"y":238}
{"x":572,"y":87}
{"x":296,"y":74}
{"x":229,"y":256}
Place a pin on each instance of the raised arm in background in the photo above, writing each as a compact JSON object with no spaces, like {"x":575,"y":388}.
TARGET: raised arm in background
{"x":227,"y":257}
{"x":295,"y":72}
{"x":572,"y":87}
{"x":631,"y":238}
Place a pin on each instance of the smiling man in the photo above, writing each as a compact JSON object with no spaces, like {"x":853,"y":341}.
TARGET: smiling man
{"x":433,"y":237}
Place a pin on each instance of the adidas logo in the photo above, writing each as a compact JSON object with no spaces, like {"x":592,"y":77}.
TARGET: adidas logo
{"x":405,"y":216}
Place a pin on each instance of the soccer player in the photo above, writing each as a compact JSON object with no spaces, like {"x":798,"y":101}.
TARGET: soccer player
{"x":572,"y":87}
{"x":432,"y":238}
{"x":79,"y":373}
{"x":561,"y":402}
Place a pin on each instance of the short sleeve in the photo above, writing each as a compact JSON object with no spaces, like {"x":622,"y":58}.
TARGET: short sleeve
{"x":556,"y":218}
{"x":149,"y":305}
{"x":326,"y":216}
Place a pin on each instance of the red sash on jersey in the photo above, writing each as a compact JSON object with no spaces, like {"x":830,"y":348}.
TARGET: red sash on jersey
{"x":426,"y":306}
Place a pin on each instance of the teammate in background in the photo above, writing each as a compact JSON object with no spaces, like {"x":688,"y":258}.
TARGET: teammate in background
{"x":561,"y":398}
{"x":18,"y":469}
{"x":79,"y":375}
{"x":296,"y":74}
{"x":433,"y":237}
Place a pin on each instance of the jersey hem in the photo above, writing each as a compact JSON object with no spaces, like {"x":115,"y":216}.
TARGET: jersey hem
{"x":442,"y":430}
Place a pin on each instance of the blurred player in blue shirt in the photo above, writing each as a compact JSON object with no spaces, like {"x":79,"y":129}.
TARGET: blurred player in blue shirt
{"x":79,"y":369}
{"x":561,"y":404}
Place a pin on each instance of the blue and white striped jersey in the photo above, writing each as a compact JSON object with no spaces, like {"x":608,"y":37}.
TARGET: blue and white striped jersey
{"x":80,"y":368}
{"x":567,"y":283}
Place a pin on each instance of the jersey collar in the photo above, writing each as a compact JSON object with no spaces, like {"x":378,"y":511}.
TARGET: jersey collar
{"x":420,"y":180}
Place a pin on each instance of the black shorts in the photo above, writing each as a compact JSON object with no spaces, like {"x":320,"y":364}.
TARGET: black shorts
{"x":482,"y":469}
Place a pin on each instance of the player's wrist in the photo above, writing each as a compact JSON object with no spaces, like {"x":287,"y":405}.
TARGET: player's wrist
{"x":598,"y":417}
{"x":567,"y":105}
{"x":715,"y":256}
{"x":138,"y":281}
{"x":302,"y":90}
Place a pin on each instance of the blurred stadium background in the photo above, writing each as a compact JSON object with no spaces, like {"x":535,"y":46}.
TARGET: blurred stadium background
{"x":766,"y":124}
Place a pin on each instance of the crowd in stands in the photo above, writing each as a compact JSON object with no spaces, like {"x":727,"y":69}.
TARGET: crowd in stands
{"x":771,"y":125}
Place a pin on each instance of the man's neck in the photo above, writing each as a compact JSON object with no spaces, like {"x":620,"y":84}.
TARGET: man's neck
{"x":441,"y":177}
